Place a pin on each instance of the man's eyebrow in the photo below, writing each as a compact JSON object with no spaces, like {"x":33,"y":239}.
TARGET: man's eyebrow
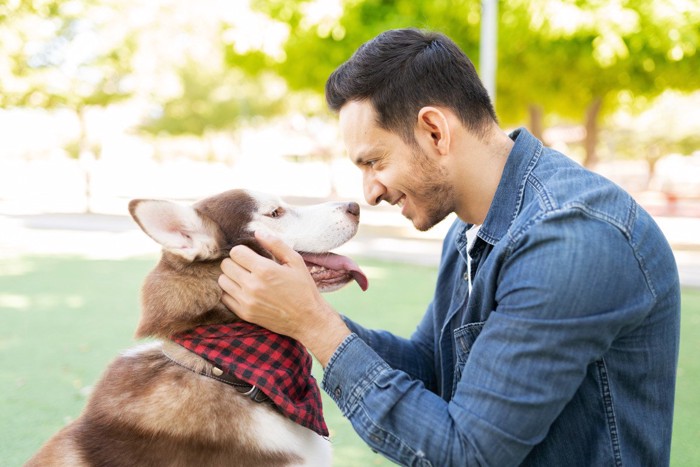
{"x":362,"y":156}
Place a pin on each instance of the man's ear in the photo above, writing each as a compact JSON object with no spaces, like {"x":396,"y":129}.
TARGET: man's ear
{"x":433,"y":129}
{"x":179,"y":229}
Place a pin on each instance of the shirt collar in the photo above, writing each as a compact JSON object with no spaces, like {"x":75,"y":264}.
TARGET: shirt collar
{"x":509,"y":194}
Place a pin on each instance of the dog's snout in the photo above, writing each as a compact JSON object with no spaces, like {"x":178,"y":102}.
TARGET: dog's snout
{"x":353,"y":209}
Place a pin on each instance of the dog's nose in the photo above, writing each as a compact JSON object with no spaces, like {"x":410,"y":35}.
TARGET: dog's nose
{"x":353,"y":209}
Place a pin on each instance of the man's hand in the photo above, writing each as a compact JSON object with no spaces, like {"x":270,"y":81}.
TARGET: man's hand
{"x":281,"y":296}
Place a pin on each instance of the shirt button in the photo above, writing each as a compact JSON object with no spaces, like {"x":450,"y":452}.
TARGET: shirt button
{"x":338,"y":392}
{"x":466,"y":276}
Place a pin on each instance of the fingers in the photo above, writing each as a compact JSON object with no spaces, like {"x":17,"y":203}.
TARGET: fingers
{"x":227,"y":284}
{"x":246,"y":278}
{"x":244,"y":258}
{"x":237,"y":276}
{"x":230,"y":303}
{"x":280,"y":250}
{"x":251,"y":261}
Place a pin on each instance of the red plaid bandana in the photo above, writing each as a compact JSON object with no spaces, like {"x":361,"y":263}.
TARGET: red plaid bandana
{"x":278,"y":365}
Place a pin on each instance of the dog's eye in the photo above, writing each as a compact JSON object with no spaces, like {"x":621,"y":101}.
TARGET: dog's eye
{"x":276,"y":213}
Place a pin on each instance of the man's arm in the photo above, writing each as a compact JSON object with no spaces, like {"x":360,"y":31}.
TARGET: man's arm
{"x":413,"y":356}
{"x":561,"y":305}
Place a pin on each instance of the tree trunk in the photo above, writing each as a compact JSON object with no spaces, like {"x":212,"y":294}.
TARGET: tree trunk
{"x":85,"y":157}
{"x":653,"y":155}
{"x":591,"y":140}
{"x":536,"y":120}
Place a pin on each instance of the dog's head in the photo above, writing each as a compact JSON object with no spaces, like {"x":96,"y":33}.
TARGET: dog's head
{"x":183,"y":288}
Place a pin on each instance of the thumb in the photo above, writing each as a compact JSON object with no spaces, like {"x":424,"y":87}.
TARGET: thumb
{"x":282,"y":252}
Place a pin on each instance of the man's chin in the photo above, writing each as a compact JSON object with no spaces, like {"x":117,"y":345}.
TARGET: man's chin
{"x":425,"y":224}
{"x":422,"y":225}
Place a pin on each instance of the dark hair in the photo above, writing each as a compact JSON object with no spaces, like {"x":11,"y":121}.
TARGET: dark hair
{"x":402,"y":70}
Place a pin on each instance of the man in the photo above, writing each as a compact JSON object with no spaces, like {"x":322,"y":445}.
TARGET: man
{"x":552,"y":337}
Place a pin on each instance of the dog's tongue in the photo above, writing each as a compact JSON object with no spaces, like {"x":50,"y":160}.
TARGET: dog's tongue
{"x":338,"y":263}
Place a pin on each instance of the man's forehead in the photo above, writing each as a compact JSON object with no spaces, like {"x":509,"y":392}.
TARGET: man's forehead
{"x":357,"y":115}
{"x":361,"y":134}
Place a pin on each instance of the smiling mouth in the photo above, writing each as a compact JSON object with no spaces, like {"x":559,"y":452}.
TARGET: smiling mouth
{"x":402,"y":204}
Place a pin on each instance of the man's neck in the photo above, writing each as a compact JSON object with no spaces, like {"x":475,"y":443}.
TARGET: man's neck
{"x":478,"y":173}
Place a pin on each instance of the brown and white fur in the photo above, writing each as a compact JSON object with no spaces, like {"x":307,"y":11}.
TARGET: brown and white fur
{"x":147,"y":410}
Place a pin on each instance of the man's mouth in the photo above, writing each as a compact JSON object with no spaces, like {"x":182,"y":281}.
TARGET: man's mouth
{"x":331,"y":271}
{"x":401,"y":202}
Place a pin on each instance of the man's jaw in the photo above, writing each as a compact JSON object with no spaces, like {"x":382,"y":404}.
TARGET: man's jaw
{"x":402,"y":203}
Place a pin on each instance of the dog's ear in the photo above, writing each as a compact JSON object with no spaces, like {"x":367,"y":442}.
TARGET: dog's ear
{"x":179,"y":229}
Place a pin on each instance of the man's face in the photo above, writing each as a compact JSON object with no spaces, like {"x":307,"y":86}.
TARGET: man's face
{"x":394,"y":171}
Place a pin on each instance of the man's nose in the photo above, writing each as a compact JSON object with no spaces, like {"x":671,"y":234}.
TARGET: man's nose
{"x":374,"y":190}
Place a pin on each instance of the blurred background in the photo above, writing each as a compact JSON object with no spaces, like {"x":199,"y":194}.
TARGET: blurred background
{"x":102,"y":101}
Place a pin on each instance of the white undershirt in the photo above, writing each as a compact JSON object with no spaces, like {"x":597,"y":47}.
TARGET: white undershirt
{"x":471,"y":238}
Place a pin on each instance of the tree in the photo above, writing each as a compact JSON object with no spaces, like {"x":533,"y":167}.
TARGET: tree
{"x":581,"y":58}
{"x":317,"y":43}
{"x":557,"y":58}
{"x":53,"y":59}
{"x":211,"y":101}
{"x":657,"y":130}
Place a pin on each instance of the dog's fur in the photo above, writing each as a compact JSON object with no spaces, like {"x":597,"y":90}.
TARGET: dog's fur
{"x":147,"y":410}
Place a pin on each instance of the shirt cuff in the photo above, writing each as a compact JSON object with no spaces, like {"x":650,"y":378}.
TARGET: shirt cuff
{"x":350,"y":372}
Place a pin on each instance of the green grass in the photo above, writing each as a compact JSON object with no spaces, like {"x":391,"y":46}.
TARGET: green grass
{"x":686,"y":422}
{"x":62,"y":319}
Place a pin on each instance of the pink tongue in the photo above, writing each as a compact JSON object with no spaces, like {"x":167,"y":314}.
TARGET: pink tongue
{"x":338,"y":263}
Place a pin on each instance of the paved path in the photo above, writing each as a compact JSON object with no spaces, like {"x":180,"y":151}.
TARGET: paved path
{"x":384,"y":234}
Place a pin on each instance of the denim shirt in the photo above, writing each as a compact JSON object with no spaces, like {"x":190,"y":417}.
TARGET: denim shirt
{"x":563,"y":354}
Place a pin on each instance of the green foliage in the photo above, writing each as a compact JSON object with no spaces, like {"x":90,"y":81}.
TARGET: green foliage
{"x":557,"y":54}
{"x":562,"y":55}
{"x":314,"y":49}
{"x":47,"y":8}
{"x":212,"y":101}
{"x":62,"y":54}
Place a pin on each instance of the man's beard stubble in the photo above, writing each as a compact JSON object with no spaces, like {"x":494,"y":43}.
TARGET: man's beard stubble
{"x":431,"y":186}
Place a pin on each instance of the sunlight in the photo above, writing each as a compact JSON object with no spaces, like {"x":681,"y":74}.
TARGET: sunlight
{"x":252,"y":31}
{"x":13,"y":301}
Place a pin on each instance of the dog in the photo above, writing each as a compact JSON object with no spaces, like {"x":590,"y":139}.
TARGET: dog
{"x":161,"y":404}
